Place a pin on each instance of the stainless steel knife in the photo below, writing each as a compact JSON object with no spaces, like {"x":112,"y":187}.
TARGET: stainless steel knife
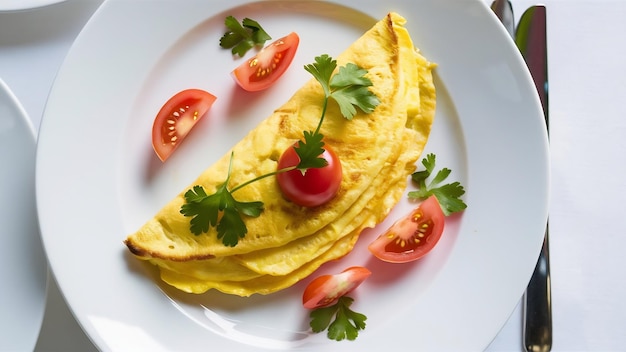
{"x":531,"y":40}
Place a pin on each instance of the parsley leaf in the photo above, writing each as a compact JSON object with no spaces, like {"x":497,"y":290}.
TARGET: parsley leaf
{"x":205,"y":211}
{"x":310,"y":150}
{"x":231,"y":227}
{"x":202,"y":208}
{"x":448,"y":194}
{"x":349,"y":89}
{"x":322,"y":69}
{"x":347,"y":322}
{"x":242,"y":37}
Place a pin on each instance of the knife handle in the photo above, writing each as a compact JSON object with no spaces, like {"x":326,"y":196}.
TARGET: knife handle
{"x":538,"y":305}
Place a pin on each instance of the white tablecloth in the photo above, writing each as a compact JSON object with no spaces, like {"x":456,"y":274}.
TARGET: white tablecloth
{"x":587,"y":57}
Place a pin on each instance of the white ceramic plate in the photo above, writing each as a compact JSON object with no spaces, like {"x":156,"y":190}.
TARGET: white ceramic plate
{"x":17,"y":5}
{"x":23,"y":266}
{"x":99,"y":180}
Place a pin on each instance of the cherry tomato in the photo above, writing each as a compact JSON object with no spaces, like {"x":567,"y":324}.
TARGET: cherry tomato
{"x":326,"y":289}
{"x":176,"y":118}
{"x":317,"y":186}
{"x":411,"y":237}
{"x":268,"y":65}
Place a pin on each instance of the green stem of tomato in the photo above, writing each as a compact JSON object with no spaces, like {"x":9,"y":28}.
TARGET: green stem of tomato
{"x":319,"y":125}
{"x":286,"y":169}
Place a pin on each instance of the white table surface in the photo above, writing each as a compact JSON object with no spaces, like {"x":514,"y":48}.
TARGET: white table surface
{"x":587,"y":72}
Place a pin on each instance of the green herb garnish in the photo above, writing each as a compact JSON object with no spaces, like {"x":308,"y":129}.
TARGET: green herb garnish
{"x":240,"y":38}
{"x":448,"y":194}
{"x":348,"y":87}
{"x":205,"y":210}
{"x":346,"y":323}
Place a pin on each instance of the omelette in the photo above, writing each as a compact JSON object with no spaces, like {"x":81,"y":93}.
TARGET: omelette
{"x":378,"y":151}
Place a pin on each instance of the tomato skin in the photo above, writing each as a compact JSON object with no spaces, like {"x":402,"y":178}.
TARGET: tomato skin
{"x":264,"y":69}
{"x":326,"y":289}
{"x":317,"y":186}
{"x":177,"y":117}
{"x":413,"y":236}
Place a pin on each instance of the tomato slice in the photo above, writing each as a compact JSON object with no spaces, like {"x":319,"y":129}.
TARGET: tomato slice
{"x":326,"y":289}
{"x":413,"y":236}
{"x":268,"y":65}
{"x":177,"y":117}
{"x":317,"y":186}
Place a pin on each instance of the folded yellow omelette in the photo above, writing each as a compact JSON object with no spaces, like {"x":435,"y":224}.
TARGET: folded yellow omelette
{"x":378,"y":151}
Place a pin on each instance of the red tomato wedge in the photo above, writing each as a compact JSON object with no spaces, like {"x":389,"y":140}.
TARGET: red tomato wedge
{"x":268,"y":65}
{"x":317,"y":186}
{"x":413,"y":236}
{"x":326,"y":289}
{"x":177,"y":117}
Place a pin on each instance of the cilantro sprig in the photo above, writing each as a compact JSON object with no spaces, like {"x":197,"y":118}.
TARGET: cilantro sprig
{"x":348,"y":87}
{"x":205,"y":211}
{"x":346,"y":324}
{"x":240,"y":38}
{"x":448,"y":195}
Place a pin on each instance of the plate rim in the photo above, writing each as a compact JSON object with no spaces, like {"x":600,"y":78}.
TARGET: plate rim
{"x":37,"y":271}
{"x":23,"y":5}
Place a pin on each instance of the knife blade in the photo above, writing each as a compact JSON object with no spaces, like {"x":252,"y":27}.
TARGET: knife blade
{"x":504,"y":11}
{"x":531,"y":40}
